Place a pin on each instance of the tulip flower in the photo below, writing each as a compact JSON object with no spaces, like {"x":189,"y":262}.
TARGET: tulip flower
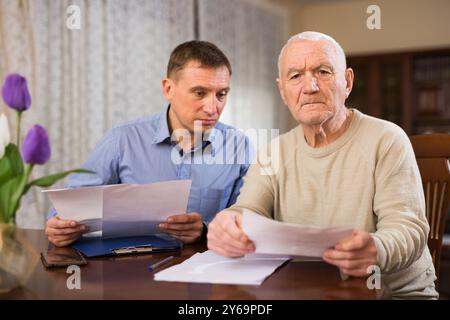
{"x":14,"y":178}
{"x":15,"y":92}
{"x":16,"y":95}
{"x":4,"y":134}
{"x":36,"y":147}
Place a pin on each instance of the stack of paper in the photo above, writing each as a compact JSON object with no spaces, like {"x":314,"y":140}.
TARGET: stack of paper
{"x":209,"y":267}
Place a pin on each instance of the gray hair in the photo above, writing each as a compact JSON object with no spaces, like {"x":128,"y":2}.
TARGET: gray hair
{"x":314,"y":36}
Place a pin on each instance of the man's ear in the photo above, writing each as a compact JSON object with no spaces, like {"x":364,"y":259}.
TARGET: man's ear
{"x":349,"y":76}
{"x":167,"y":88}
{"x":281,"y":91}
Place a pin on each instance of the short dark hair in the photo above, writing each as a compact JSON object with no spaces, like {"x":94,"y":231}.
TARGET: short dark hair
{"x":206,"y":53}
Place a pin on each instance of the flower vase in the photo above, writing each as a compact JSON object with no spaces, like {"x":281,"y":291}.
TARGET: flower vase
{"x":17,"y":258}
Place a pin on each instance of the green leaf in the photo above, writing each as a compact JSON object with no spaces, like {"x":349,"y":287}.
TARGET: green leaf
{"x":2,"y":216}
{"x":15,"y":159}
{"x":47,"y":181}
{"x":18,"y":192}
{"x":5,"y":170}
{"x":7,"y":204}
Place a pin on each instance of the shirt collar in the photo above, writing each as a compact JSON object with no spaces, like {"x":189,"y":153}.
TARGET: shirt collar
{"x":163,"y":134}
{"x":162,"y":131}
{"x":210,"y":135}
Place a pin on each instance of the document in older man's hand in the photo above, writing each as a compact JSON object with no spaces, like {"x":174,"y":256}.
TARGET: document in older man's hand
{"x":122,"y":210}
{"x":275,"y":237}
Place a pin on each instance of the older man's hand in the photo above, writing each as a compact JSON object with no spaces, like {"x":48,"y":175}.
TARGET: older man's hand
{"x":225,"y":235}
{"x":353,"y":256}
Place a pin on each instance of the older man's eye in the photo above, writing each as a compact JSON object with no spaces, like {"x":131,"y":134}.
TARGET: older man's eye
{"x":324,"y":73}
{"x":295,"y":76}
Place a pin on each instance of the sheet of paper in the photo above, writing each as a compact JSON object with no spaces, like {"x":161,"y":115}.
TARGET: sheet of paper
{"x":209,"y":267}
{"x":122,"y":209}
{"x":84,"y":205}
{"x":138,"y":209}
{"x":275,"y":237}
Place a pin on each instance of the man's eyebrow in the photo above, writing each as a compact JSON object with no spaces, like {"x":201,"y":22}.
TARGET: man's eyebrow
{"x":322,"y":65}
{"x":200,"y":88}
{"x":326,"y":65}
{"x":292,"y":70}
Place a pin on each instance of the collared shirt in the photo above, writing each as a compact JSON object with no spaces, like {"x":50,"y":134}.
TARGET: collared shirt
{"x":141,"y":152}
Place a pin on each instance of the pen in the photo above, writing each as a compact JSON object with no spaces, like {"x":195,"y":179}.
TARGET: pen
{"x":159,"y":263}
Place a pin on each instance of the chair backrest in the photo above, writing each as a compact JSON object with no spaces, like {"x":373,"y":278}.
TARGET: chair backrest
{"x":432,"y":154}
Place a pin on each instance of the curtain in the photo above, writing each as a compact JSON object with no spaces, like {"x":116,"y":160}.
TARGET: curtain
{"x":251,"y":33}
{"x":110,"y":70}
{"x":84,"y":81}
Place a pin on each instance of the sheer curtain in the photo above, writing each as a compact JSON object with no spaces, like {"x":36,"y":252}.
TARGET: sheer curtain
{"x":83,"y":81}
{"x":110,"y":70}
{"x":251,"y":33}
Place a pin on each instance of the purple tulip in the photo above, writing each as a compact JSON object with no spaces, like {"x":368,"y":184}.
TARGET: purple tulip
{"x":36,"y":147}
{"x":15,"y":92}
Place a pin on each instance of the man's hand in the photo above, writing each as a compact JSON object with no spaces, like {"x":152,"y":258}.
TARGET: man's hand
{"x":225,"y":235}
{"x":62,"y":232}
{"x":353,"y":256}
{"x":186,"y":227}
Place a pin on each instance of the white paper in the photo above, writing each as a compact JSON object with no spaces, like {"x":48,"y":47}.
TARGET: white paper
{"x":138,"y":209}
{"x":83,"y":205}
{"x":275,"y":237}
{"x":122,"y":209}
{"x":209,"y":267}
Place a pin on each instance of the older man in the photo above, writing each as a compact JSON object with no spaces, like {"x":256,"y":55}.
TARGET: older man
{"x":338,"y":167}
{"x":174,"y":145}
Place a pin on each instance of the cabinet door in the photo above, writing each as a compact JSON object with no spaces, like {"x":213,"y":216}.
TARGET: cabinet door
{"x":431,"y":77}
{"x":391,"y":92}
{"x":360,"y":96}
{"x":381,"y":88}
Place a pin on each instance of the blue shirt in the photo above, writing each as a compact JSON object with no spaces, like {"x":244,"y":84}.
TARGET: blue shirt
{"x":141,"y":152}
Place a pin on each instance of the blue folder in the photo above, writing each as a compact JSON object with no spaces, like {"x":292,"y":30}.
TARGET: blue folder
{"x":96,"y":247}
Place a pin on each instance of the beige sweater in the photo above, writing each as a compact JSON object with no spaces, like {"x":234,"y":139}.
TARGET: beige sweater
{"x":367,"y":179}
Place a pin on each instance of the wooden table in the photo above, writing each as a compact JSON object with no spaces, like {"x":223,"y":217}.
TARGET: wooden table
{"x":128,"y":277}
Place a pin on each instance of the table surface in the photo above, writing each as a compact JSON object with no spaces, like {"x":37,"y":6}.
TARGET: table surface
{"x":127,"y":277}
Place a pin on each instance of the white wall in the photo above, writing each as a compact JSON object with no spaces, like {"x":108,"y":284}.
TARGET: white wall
{"x":405,"y":24}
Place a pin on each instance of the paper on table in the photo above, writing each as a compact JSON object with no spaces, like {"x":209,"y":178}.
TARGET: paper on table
{"x":275,"y":237}
{"x":122,"y":209}
{"x":209,"y":267}
{"x":138,"y":209}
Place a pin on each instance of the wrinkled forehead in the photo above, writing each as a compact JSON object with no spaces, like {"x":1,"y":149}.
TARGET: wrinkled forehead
{"x":307,"y":53}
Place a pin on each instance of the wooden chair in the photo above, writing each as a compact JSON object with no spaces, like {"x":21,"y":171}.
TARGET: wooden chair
{"x":432,"y":154}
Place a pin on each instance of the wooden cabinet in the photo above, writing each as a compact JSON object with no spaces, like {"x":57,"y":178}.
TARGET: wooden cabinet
{"x":411,"y":89}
